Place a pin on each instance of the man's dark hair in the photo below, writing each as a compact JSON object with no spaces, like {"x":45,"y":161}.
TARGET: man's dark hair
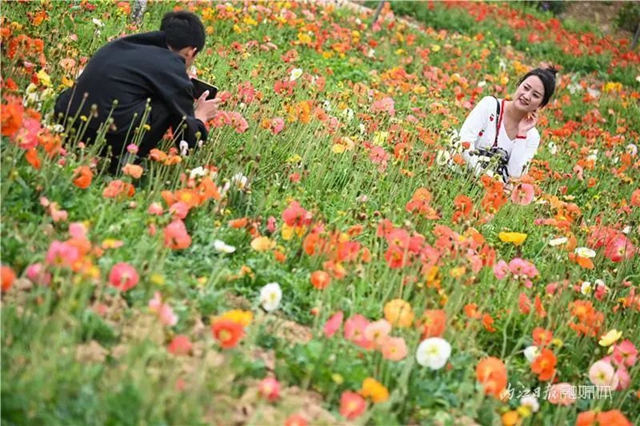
{"x":548,"y":78}
{"x":183,"y":29}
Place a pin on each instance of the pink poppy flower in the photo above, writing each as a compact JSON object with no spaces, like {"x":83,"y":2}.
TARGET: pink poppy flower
{"x":398,"y":238}
{"x":176,"y":236}
{"x":37,"y":274}
{"x":354,"y":331}
{"x":625,"y":354}
{"x":602,"y":373}
{"x":624,"y":379}
{"x":27,"y":136}
{"x":294,"y":177}
{"x":123,"y":276}
{"x":394,"y":349}
{"x":56,"y":214}
{"x":384,"y":105}
{"x":163,"y":310}
{"x":500,"y":269}
{"x":269,"y":388}
{"x":295,"y":420}
{"x":561,"y":394}
{"x":180,"y":345}
{"x":352,"y":405}
{"x":78,"y":230}
{"x":377,"y":332}
{"x":155,"y":209}
{"x":333,"y":324}
{"x":277,"y":125}
{"x":579,"y":171}
{"x":378,"y":155}
{"x":179,"y":210}
{"x":271,"y":224}
{"x":237,"y":121}
{"x":523,"y":194}
{"x":62,"y":254}
{"x":521,"y":267}
{"x":295,"y":215}
{"x":619,"y":248}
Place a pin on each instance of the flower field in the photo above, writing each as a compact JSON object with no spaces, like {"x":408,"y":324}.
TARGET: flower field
{"x":323,"y":258}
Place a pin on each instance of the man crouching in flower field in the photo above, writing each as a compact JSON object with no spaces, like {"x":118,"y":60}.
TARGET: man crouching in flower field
{"x":141,"y":82}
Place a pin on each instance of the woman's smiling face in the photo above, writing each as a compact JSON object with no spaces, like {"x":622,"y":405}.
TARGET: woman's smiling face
{"x":529,"y":94}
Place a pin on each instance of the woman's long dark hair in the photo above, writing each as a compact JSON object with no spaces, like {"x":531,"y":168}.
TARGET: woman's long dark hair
{"x":548,"y":78}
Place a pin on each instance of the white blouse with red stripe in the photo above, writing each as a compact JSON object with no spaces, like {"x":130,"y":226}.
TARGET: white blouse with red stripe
{"x":479,"y":129}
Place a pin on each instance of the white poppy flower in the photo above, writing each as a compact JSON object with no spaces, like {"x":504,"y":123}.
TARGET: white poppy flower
{"x":586,"y":288}
{"x":184,"y":147}
{"x":558,"y":241}
{"x":197,"y":172}
{"x":348,"y":113}
{"x":433,"y":352}
{"x":443,"y":157}
{"x":531,"y":353}
{"x":530,"y":401}
{"x":295,"y":74}
{"x":222,"y":247}
{"x":239,"y":180}
{"x":270,"y":297}
{"x":553,"y":148}
{"x":585,"y":252}
{"x":593,"y":92}
{"x":97,"y":22}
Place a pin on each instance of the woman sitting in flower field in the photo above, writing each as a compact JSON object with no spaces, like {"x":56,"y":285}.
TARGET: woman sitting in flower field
{"x":503,"y":130}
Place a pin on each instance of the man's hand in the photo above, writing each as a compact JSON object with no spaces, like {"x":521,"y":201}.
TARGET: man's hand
{"x":205,"y":110}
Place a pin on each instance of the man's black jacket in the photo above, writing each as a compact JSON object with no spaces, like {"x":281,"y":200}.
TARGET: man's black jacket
{"x":132,"y":70}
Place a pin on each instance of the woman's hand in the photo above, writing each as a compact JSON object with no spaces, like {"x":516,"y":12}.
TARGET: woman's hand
{"x":527,"y":123}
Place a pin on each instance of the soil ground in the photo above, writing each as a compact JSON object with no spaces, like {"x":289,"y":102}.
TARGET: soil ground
{"x":601,"y":13}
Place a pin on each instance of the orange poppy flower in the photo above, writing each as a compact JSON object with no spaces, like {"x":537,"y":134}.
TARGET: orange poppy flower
{"x":228,"y":333}
{"x":32,"y":158}
{"x":117,"y":188}
{"x":188,"y":196}
{"x":371,"y":388}
{"x":433,"y":323}
{"x":487,"y":322}
{"x":320,"y":279}
{"x":492,"y":374}
{"x":542,"y":337}
{"x":279,"y":256}
{"x":609,"y":418}
{"x":7,"y":277}
{"x":208,"y":190}
{"x":585,"y":262}
{"x":133,"y":170}
{"x":471,"y":311}
{"x":545,"y":365}
{"x":11,"y":114}
{"x":239,"y":223}
{"x":399,"y":313}
{"x":82,"y":177}
{"x":157,"y":155}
